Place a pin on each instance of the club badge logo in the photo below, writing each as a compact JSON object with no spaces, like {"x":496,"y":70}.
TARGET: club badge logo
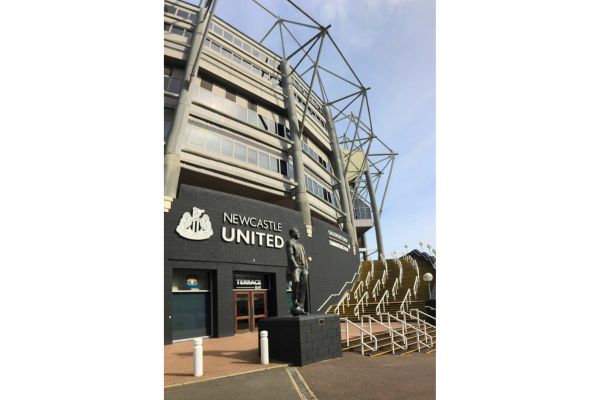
{"x":196,"y":226}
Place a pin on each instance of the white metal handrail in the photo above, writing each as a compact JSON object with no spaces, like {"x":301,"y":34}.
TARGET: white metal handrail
{"x":338,"y":293}
{"x":391,"y":332}
{"x":421,"y":321}
{"x":405,"y":301}
{"x":376,"y":290}
{"x":384,"y":276}
{"x":416,"y":285}
{"x":358,"y":290}
{"x":360,"y":303}
{"x":416,"y":329}
{"x":421,"y":312}
{"x":368,"y":278}
{"x":395,"y":287}
{"x":385,"y":300}
{"x":372,"y":267}
{"x":342,"y":303}
{"x":363,"y":331}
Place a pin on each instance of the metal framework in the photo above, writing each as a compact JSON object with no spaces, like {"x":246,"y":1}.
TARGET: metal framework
{"x":367,"y":161}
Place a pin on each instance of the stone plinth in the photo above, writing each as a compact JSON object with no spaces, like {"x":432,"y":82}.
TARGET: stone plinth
{"x":303,"y":339}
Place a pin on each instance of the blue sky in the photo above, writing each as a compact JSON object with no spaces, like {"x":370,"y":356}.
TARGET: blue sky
{"x":391,"y":46}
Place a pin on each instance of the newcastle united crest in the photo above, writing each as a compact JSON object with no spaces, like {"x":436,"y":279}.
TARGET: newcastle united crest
{"x":196,"y":226}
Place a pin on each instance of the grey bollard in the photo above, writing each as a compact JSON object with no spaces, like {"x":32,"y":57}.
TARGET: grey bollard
{"x":198,"y":364}
{"x":264,"y":347}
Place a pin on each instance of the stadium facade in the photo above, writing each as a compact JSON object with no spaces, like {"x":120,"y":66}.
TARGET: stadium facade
{"x":251,"y":151}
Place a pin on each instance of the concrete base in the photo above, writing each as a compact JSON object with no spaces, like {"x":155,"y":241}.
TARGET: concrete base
{"x":303,"y":339}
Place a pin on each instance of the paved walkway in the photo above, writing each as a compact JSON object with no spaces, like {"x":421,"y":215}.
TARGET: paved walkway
{"x":222,"y":357}
{"x":353,"y":376}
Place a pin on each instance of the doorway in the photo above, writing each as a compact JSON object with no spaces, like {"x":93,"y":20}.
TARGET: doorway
{"x":249,"y":308}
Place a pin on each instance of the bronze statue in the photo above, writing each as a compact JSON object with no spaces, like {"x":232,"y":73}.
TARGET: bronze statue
{"x":297,"y":272}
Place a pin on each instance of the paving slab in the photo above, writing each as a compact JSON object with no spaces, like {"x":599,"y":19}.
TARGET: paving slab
{"x":223,"y":357}
{"x":273,"y":384}
{"x":387,"y":377}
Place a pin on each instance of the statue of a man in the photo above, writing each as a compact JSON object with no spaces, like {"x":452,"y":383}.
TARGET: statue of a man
{"x":297,"y":272}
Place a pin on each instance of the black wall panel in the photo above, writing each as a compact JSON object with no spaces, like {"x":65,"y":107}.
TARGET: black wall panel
{"x":329,"y":269}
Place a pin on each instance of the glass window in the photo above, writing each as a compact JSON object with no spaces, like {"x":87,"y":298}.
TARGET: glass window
{"x":170,"y":9}
{"x":240,"y":113}
{"x":263,"y":160}
{"x":212,"y":142}
{"x":229,"y":95}
{"x":218,"y":30}
{"x":252,"y":156}
{"x":246,"y":47}
{"x":237,"y":42}
{"x":251,"y":106}
{"x":236,"y":58}
{"x":198,"y":137}
{"x":215,"y":46}
{"x":255,"y":53}
{"x":183,"y":14}
{"x":255,"y":69}
{"x":228,"y":36}
{"x":262,"y":122}
{"x":166,"y":83}
{"x":174,"y":85}
{"x":280,"y":130}
{"x":177,"y":30}
{"x":252,"y":117}
{"x":274,"y":164}
{"x":239,"y":152}
{"x":226,"y":147}
{"x":167,"y":27}
{"x":290,"y":170}
{"x":226,"y":52}
{"x":283,"y":167}
{"x":204,"y":97}
{"x":217,"y":103}
{"x":188,"y":34}
{"x":246,"y":64}
{"x":271,"y":126}
{"x":206,"y":85}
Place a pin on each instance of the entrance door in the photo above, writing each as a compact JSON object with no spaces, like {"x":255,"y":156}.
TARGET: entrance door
{"x":249,"y":308}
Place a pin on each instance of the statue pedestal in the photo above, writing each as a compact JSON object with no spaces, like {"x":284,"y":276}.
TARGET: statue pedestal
{"x":304,"y":339}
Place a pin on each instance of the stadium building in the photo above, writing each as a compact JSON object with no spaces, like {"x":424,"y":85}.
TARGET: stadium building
{"x":253,"y":149}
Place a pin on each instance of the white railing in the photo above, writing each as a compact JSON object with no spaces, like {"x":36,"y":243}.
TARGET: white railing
{"x":365,"y":298}
{"x":384,"y":276}
{"x":422,"y":321}
{"x":385,"y":300}
{"x":345,"y":299}
{"x":391,"y":331}
{"x":363,"y":332}
{"x":358,"y":290}
{"x":376,"y":290}
{"x":422,"y":324}
{"x":416,"y":285}
{"x":340,"y":292}
{"x":405,"y":302}
{"x":395,"y":287}
{"x":427,"y":340}
{"x":368,"y":278}
{"x":372,"y":267}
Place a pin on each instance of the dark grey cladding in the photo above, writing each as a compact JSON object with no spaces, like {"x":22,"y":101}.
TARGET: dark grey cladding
{"x":329,"y":269}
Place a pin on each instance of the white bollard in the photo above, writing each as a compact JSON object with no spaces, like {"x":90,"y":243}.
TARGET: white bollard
{"x":264,"y":347}
{"x":198,"y":364}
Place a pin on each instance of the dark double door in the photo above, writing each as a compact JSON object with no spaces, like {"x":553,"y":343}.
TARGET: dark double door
{"x":249,"y":308}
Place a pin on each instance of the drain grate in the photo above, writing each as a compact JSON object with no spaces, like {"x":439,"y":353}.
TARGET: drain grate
{"x":303,"y":390}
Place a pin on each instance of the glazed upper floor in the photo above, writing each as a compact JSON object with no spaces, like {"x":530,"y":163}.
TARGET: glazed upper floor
{"x":242,"y":61}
